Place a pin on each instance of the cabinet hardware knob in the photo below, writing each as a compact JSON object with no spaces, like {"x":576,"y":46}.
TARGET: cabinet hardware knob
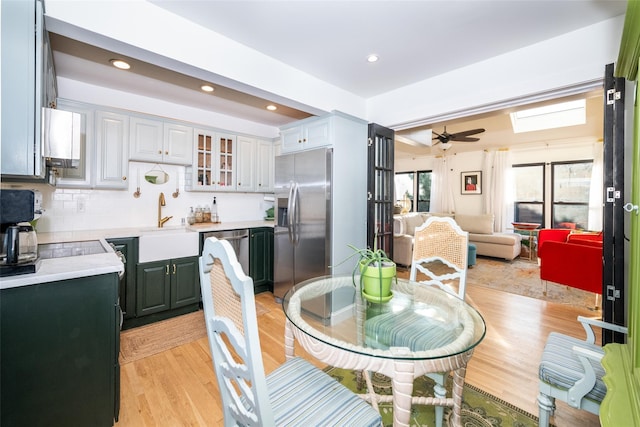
{"x":124,"y":178}
{"x":159,"y":151}
{"x":174,"y":269}
{"x":166,"y":152}
{"x":166,"y":269}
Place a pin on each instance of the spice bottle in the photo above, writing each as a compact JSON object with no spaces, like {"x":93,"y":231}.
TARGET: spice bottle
{"x":199,"y":214}
{"x":206,"y":214}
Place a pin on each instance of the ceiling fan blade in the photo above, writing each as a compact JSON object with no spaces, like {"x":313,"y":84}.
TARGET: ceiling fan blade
{"x":465,"y":139}
{"x":464,"y":133}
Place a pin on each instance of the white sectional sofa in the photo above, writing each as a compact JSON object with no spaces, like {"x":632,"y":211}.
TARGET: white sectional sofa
{"x":479,"y":227}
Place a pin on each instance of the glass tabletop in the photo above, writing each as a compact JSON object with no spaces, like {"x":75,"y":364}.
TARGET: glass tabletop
{"x":418,"y":322}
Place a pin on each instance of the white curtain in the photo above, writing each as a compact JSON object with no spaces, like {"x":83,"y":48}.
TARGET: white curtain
{"x":500,"y":193}
{"x":594,"y":221}
{"x":441,"y":195}
{"x":487,"y":182}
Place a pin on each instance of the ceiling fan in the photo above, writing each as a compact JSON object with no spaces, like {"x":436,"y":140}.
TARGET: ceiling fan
{"x":445,"y":138}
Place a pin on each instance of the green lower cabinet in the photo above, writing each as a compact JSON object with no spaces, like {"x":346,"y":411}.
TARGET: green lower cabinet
{"x":261,"y":259}
{"x":129,"y":248}
{"x":60,"y":344}
{"x":167,"y":285}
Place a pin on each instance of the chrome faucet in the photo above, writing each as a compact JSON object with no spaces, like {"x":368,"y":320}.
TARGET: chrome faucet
{"x":161,"y":203}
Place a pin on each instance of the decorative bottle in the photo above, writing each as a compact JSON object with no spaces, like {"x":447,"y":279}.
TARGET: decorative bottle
{"x":214,"y":211}
{"x":191,"y":217}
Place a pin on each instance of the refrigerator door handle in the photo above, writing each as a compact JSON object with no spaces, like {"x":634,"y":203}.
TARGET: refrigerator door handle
{"x":296,"y":214}
{"x":290,"y":212}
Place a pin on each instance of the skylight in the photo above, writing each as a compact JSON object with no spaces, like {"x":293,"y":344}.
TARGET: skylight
{"x":550,"y":117}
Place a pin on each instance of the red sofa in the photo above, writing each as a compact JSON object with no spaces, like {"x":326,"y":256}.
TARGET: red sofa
{"x":571,"y":259}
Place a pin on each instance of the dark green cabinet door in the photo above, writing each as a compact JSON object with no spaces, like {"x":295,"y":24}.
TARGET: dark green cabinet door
{"x":59,"y":344}
{"x":185,"y":282}
{"x":129,"y":248}
{"x":261,"y":259}
{"x":166,"y":285}
{"x":153,"y":291}
{"x":269,"y":257}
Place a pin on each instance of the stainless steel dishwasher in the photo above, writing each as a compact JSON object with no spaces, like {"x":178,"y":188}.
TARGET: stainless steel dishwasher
{"x":239,"y":240}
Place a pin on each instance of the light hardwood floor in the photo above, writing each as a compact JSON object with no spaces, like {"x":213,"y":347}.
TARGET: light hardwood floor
{"x":178,"y":387}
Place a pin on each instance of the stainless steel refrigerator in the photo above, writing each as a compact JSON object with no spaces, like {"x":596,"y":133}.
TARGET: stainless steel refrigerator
{"x":302,"y":232}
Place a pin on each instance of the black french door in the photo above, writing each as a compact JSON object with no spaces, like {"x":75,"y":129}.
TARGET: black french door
{"x":380,"y":189}
{"x":613,"y":295}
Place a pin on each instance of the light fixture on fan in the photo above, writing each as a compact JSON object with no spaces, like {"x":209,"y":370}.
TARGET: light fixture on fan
{"x":445,"y":146}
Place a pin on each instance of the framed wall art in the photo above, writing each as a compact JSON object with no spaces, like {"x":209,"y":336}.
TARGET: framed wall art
{"x":471,"y":182}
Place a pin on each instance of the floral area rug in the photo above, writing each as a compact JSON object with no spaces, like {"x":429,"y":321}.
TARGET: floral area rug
{"x":521,"y":277}
{"x":479,"y":409}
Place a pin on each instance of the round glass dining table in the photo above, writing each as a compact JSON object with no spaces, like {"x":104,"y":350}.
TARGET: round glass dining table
{"x":421,"y":329}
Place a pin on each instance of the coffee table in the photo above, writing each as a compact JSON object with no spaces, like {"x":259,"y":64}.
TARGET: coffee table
{"x":421,"y":330}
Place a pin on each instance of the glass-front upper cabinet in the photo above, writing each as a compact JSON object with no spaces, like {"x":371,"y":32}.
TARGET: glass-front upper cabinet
{"x":226,"y":160}
{"x":214,"y":162}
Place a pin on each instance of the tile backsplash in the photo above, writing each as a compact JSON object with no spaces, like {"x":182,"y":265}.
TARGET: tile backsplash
{"x":89,"y":209}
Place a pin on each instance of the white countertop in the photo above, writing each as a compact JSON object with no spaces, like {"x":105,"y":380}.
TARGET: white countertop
{"x":113,"y":233}
{"x":56,"y":269}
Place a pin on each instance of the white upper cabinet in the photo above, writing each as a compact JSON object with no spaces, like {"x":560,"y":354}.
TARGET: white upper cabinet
{"x":112,"y":146}
{"x":25,"y":89}
{"x":306,"y":135}
{"x":178,"y":144}
{"x":265,"y":155}
{"x":246,"y":164}
{"x":161,"y":142}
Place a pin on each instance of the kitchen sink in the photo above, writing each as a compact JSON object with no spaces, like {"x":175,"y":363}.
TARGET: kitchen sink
{"x":166,"y":243}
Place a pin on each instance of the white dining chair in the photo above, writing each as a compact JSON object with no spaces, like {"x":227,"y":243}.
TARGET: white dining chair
{"x":296,"y":393}
{"x":441,"y":240}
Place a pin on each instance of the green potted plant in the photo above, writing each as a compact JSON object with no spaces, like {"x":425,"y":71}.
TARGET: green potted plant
{"x":377,"y":271}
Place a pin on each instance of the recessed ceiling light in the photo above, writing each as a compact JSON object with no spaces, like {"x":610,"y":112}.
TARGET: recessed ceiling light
{"x":119,"y":63}
{"x":207,"y":88}
{"x":372,"y":58}
{"x":271,"y":107}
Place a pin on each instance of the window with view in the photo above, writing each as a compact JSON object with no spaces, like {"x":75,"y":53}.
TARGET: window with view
{"x":570,"y":194}
{"x":529,"y":202}
{"x":424,"y":191}
{"x":412,"y":188}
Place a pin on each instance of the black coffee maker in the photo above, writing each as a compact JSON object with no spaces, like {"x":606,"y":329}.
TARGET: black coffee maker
{"x":18,"y":241}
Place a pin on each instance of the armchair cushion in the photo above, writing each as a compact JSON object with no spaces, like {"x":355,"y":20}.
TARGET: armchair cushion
{"x":560,"y":368}
{"x":571,"y":259}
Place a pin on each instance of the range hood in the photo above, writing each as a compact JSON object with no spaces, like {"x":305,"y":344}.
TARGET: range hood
{"x":61,"y":133}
